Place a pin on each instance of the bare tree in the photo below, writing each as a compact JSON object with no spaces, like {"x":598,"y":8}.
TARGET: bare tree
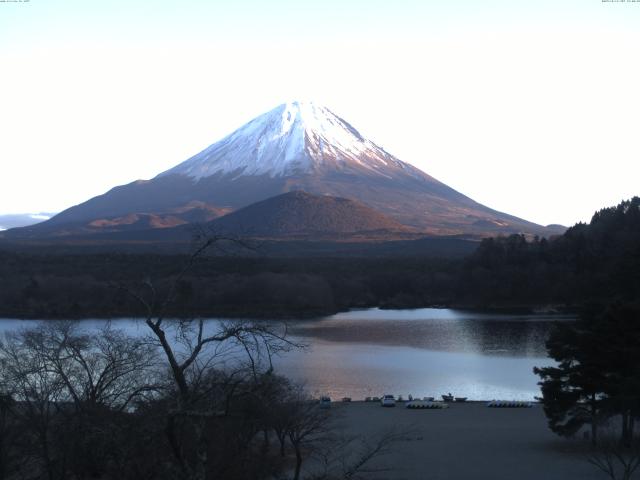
{"x":62,"y":379}
{"x":305,"y":424}
{"x":105,"y":368}
{"x":344,"y":457}
{"x":27,"y":378}
{"x":8,"y":437}
{"x":617,"y":459}
{"x":366,"y":451}
{"x":192,"y":348}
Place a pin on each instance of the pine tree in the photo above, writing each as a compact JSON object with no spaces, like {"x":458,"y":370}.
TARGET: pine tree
{"x":598,"y":372}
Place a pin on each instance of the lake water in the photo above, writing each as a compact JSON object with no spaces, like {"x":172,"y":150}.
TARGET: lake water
{"x":423,"y":352}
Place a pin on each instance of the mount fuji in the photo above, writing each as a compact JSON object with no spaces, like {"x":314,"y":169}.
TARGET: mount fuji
{"x":295,"y":146}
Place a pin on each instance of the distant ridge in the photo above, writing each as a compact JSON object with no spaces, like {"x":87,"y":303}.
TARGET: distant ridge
{"x":22,"y":219}
{"x":192,"y":212}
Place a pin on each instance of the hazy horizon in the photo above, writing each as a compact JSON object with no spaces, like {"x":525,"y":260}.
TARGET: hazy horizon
{"x":527,"y":107}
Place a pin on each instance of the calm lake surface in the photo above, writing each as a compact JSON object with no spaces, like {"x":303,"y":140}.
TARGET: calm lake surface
{"x":423,"y":352}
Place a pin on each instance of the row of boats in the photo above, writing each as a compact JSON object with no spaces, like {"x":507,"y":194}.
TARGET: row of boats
{"x":428,"y":402}
{"x":390,"y":400}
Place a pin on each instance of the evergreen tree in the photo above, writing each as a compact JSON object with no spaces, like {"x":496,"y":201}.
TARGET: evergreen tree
{"x":573,"y":393}
{"x":598,"y":372}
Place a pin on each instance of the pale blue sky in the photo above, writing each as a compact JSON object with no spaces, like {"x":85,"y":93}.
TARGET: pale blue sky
{"x":527,"y":106}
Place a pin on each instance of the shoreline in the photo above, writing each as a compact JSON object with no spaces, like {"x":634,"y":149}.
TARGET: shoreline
{"x":277,"y":315}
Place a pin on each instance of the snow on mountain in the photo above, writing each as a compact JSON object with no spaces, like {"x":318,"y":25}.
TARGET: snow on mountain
{"x":293,"y":138}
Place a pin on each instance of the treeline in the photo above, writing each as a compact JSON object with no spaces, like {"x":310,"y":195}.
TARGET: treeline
{"x":79,"y":286}
{"x":596,"y":261}
{"x":599,"y":261}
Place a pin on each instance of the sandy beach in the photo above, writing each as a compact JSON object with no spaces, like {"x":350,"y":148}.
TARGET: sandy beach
{"x":468,"y":441}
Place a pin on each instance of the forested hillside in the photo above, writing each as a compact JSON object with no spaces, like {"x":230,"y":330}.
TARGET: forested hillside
{"x":595,"y":261}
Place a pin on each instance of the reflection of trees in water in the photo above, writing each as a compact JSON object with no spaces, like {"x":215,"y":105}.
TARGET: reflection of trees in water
{"x":511,"y":337}
{"x":492,"y":337}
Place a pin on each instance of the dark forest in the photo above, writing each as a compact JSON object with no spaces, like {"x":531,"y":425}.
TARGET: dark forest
{"x":595,"y":262}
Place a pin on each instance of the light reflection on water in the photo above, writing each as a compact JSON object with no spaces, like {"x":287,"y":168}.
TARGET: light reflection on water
{"x":423,"y":352}
{"x":435,"y":329}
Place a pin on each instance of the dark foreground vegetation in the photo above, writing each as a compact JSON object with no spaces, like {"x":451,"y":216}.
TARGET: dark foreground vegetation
{"x":596,"y":261}
{"x":180,"y":401}
{"x":594,"y":388}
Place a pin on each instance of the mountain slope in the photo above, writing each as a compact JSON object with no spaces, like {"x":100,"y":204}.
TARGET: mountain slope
{"x":301,"y":146}
{"x":136,"y":221}
{"x":300,"y":213}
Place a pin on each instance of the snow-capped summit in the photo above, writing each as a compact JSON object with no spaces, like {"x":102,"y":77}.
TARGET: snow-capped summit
{"x":293,"y":138}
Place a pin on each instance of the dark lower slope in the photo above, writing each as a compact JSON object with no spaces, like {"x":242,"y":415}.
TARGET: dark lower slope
{"x":428,"y":206}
